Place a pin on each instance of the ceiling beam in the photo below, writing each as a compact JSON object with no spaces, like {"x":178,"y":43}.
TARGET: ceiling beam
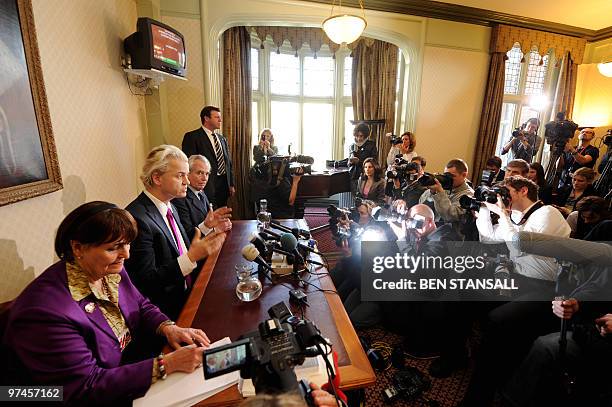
{"x":472,"y":15}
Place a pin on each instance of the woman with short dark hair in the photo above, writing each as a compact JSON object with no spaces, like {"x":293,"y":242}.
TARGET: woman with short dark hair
{"x":74,"y":324}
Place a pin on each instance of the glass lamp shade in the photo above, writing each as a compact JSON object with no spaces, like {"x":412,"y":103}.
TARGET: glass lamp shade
{"x":604,"y":68}
{"x":344,"y":28}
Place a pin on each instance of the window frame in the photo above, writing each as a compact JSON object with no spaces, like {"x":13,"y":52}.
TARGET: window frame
{"x":264,"y":97}
{"x":521,"y":100}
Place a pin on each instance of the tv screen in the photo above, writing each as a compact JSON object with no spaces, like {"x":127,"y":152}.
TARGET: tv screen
{"x":168,"y":47}
{"x":156,"y":46}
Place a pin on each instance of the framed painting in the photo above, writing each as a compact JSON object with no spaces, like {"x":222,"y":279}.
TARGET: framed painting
{"x":28,"y":160}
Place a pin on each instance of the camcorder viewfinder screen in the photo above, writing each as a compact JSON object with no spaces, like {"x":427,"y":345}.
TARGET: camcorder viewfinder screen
{"x":225,"y":359}
{"x":168,"y":47}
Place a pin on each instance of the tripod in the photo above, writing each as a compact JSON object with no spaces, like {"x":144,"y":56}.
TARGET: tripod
{"x":603,"y":185}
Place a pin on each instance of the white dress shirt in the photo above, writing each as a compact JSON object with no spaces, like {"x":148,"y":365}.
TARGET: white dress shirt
{"x":185,"y":263}
{"x":211,"y":137}
{"x":547,"y":220}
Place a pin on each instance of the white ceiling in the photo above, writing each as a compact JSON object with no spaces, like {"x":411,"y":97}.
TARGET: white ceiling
{"x":591,"y":14}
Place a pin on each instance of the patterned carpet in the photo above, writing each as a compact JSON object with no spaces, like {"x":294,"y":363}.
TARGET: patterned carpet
{"x":446,"y":392}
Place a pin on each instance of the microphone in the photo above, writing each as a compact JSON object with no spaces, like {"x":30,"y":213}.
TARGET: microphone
{"x":269,"y":233}
{"x":290,"y":244}
{"x":561,"y":248}
{"x":297,"y":232}
{"x":250,"y":253}
{"x":278,"y":226}
{"x":258,"y":242}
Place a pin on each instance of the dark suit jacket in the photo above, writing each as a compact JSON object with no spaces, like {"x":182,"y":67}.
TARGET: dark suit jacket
{"x":192,"y":211}
{"x":59,"y":343}
{"x":376,"y":193}
{"x":197,"y":142}
{"x":153,"y":264}
{"x":367,"y":150}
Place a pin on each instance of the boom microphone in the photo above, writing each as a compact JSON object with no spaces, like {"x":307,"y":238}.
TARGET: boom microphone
{"x":561,"y":248}
{"x":250,"y":253}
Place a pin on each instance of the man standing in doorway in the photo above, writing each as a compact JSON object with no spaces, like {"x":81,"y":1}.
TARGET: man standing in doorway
{"x":214,"y":147}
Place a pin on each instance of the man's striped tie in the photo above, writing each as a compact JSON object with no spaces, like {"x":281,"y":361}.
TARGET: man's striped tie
{"x":219,"y":154}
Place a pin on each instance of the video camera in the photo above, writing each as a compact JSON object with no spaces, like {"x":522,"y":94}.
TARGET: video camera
{"x":278,"y":166}
{"x":484,"y":193}
{"x":269,"y":355}
{"x":445,"y":179}
{"x":559,"y":131}
{"x":608,"y":139}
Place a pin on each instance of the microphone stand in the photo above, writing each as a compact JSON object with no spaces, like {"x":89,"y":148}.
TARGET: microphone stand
{"x":566,"y":269}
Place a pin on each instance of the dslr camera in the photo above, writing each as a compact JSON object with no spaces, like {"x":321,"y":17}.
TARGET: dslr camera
{"x":338,"y":216}
{"x":395,"y":140}
{"x":269,"y":355}
{"x":484,"y":193}
{"x":403,"y":170}
{"x":445,"y":179}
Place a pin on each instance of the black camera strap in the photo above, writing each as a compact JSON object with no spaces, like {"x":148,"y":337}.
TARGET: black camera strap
{"x":531,"y":210}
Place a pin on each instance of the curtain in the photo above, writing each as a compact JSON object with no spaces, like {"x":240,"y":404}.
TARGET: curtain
{"x":491,"y":114}
{"x":236,"y":113}
{"x":373,"y":87}
{"x":566,"y":87}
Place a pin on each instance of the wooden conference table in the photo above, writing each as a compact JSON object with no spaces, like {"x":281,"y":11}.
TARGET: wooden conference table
{"x":214,"y":307}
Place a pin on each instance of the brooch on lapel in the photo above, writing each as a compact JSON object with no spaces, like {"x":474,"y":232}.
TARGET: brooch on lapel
{"x":90,"y":307}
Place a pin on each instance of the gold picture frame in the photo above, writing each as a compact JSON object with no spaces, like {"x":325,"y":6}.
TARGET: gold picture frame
{"x":29,"y":165}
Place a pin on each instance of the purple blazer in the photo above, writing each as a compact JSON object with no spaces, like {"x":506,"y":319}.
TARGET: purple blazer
{"x":60,"y":343}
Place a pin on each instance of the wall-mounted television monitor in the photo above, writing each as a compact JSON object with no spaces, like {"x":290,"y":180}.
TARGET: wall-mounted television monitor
{"x":157,"y":46}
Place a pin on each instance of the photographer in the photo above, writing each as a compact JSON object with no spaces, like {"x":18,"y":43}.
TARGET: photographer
{"x":517,"y":167}
{"x":359,"y":151}
{"x":494,"y":165}
{"x":539,"y":380}
{"x":276,"y":182}
{"x":574,"y":157}
{"x":265,"y":148}
{"x":423,"y":322}
{"x":405,"y":148}
{"x":528,"y":214}
{"x":525,"y":142}
{"x":446,"y":203}
{"x":406,"y":186}
{"x":513,"y":325}
{"x":590,"y":212}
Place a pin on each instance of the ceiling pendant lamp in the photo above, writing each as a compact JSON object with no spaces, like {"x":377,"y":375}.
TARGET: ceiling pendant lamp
{"x":605,"y":68}
{"x":344,"y":28}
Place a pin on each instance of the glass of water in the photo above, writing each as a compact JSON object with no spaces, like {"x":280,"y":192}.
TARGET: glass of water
{"x":249,"y":286}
